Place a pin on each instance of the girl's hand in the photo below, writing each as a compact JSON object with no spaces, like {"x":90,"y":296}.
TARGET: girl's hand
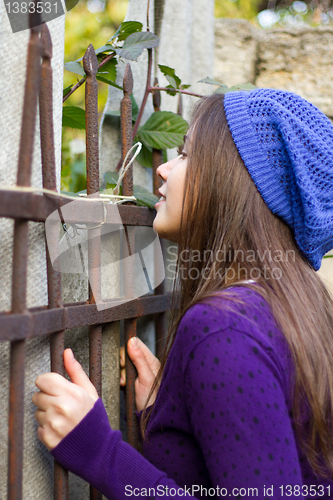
{"x":147,"y":366}
{"x":61,"y":404}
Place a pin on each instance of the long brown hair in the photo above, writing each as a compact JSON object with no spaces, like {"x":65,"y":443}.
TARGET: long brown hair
{"x":224,"y":212}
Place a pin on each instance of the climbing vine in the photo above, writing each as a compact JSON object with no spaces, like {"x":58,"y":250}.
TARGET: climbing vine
{"x":164,"y":129}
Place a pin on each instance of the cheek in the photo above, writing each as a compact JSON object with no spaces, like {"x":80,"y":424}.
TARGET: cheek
{"x":168,"y":216}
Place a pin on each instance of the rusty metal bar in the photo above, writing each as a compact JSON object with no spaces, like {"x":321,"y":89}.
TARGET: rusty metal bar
{"x":36,"y":208}
{"x":57,"y":340}
{"x":16,"y":401}
{"x":157,"y":153}
{"x":159,"y":318}
{"x":129,"y":270}
{"x":126,"y":129}
{"x":90,"y":64}
{"x":41,"y":321}
{"x":130,"y":330}
{"x":19,"y":280}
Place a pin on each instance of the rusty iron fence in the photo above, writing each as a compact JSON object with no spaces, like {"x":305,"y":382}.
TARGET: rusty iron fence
{"x":24,"y":206}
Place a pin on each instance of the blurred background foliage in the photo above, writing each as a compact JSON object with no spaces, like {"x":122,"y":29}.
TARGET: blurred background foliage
{"x":273,"y":13}
{"x":95,"y":21}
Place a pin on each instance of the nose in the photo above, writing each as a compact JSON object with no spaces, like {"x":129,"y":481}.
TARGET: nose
{"x":164,"y":170}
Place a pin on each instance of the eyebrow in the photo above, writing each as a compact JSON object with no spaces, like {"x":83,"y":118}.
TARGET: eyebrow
{"x":184,"y":138}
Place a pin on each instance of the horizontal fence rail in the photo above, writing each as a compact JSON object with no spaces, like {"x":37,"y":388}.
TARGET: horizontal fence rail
{"x":36,"y":322}
{"x":23,"y":204}
{"x":37,"y":208}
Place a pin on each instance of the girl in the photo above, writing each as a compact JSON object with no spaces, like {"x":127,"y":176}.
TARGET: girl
{"x":242,"y":402}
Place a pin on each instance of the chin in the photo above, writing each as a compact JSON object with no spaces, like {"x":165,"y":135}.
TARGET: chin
{"x":161,"y":231}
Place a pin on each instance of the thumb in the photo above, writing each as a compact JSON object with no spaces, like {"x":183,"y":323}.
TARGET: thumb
{"x":138,"y":358}
{"x":77,"y":374}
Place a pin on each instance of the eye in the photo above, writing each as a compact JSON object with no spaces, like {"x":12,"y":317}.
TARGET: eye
{"x":183,"y":155}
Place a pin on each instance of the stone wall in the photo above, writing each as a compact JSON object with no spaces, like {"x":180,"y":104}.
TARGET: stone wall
{"x":38,"y":463}
{"x":297,"y":60}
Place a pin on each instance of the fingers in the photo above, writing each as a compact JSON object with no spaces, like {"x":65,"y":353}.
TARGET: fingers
{"x":134,"y":346}
{"x":77,"y":374}
{"x":40,"y":416}
{"x":62,"y":404}
{"x":123,"y":377}
{"x":122,"y":366}
{"x":42,"y":401}
{"x":145,"y":374}
{"x":122,"y":356}
{"x":145,"y":362}
{"x":52,"y":384}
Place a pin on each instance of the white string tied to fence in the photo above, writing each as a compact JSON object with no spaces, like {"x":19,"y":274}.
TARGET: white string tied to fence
{"x":107,"y":197}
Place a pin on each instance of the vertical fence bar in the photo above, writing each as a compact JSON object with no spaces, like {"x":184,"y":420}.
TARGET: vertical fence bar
{"x":19,"y":280}
{"x":90,"y":64}
{"x":159,"y":318}
{"x":57,"y":340}
{"x":129,"y":271}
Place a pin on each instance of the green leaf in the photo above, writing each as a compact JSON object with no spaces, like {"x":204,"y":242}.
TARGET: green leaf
{"x":73,"y":117}
{"x":144,"y":197}
{"x":110,"y":187}
{"x":171,"y":91}
{"x":75,"y":67}
{"x":243,"y":86}
{"x":135,"y":44}
{"x":109,"y":70}
{"x":69,"y":193}
{"x":112,"y":113}
{"x":184,"y":86}
{"x":145,"y":157}
{"x":67,"y":89}
{"x":105,"y":48}
{"x":170,"y":75}
{"x":125,"y":29}
{"x":111,"y":177}
{"x":109,"y":82}
{"x":212,"y":82}
{"x":135,"y":108}
{"x":221,"y":90}
{"x":163,"y":130}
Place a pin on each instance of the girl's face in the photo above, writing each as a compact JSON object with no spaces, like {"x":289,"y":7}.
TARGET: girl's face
{"x":167,"y":220}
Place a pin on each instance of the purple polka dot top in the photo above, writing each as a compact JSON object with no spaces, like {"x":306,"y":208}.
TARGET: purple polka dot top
{"x":222,"y":423}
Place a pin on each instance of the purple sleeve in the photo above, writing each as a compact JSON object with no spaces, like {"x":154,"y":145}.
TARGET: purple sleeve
{"x":239,"y":415}
{"x":97,"y":453}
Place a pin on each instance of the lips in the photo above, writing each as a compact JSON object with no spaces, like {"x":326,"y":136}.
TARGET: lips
{"x":162,"y":196}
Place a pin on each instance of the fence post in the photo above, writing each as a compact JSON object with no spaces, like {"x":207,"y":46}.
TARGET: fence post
{"x":57,"y":340}
{"x":20,"y":260}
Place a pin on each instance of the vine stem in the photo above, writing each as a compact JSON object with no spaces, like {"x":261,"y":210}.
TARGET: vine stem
{"x":81,"y":82}
{"x":144,"y":100}
{"x":146,"y":94}
{"x":148,"y":5}
{"x":151,"y":89}
{"x":148,"y":90}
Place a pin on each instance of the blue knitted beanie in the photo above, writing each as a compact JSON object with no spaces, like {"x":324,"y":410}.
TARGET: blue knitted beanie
{"x":286,"y":144}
